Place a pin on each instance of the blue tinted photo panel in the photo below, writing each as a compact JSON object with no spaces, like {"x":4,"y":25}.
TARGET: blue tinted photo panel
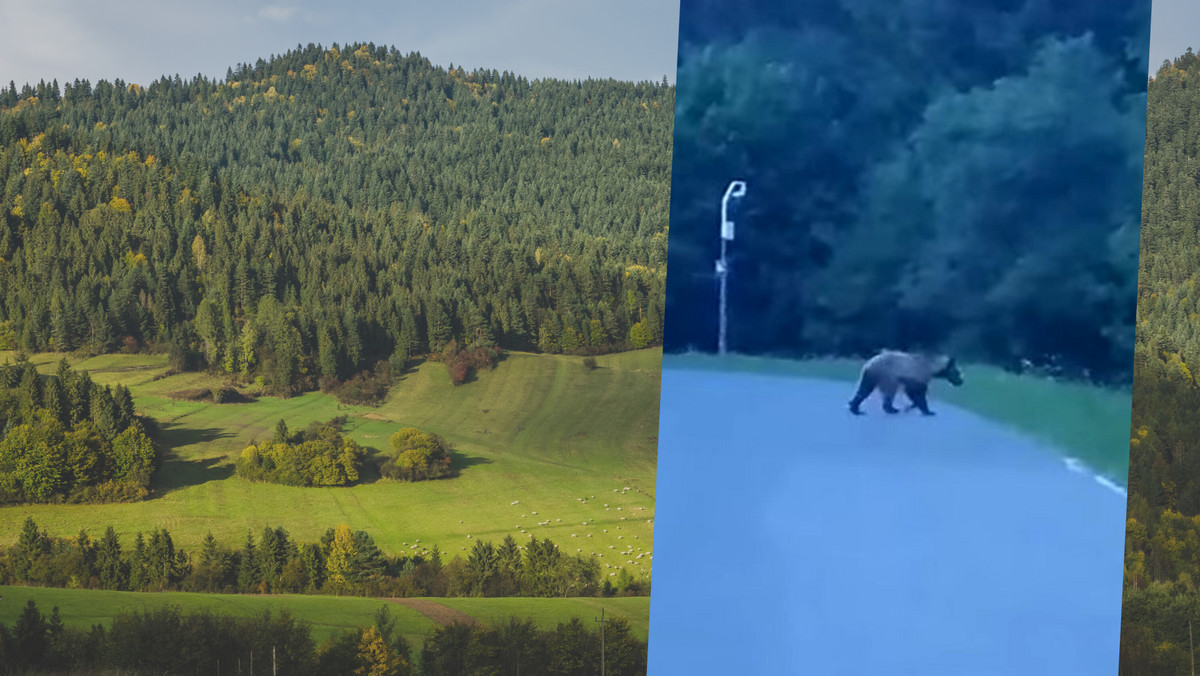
{"x":899,"y":337}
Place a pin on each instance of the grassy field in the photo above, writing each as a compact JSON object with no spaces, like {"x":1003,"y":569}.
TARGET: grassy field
{"x":572,"y":447}
{"x":327,"y":615}
{"x":1085,"y":422}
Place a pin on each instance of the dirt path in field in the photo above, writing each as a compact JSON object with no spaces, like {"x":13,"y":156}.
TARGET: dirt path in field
{"x":442,"y":615}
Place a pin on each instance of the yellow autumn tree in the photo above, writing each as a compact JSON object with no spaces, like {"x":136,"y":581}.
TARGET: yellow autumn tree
{"x":199,"y":252}
{"x":377,"y":658}
{"x":341,"y":557}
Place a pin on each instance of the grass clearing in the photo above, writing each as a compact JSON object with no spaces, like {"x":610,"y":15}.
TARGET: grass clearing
{"x":541,"y":430}
{"x":1083,"y":421}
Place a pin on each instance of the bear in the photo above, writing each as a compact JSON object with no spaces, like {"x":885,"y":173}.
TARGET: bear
{"x":891,"y":370}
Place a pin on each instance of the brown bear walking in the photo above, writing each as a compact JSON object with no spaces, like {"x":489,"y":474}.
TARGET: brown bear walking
{"x":891,"y":370}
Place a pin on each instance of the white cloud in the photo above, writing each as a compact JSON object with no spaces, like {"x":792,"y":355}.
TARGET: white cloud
{"x":276,"y":12}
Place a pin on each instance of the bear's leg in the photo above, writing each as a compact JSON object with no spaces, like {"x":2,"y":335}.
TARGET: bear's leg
{"x":889,"y":397}
{"x":866,"y":385}
{"x":917,"y":393}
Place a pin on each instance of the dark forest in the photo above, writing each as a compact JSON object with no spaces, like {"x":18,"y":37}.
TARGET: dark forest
{"x":929,"y":175}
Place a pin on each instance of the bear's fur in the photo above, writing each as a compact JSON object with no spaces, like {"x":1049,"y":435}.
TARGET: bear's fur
{"x":891,"y":370}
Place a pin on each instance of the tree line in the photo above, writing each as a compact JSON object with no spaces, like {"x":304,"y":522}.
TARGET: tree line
{"x":169,"y":640}
{"x":343,"y":562}
{"x":314,"y":214}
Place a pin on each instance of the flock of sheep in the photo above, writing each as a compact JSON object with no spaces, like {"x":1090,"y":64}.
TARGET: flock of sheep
{"x":629,"y":550}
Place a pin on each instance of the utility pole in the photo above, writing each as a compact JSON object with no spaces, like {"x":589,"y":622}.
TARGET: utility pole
{"x":736,"y":189}
{"x":1191,"y":647}
{"x":601,"y":621}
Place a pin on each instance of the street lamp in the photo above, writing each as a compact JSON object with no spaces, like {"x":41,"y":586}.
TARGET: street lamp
{"x":736,"y":189}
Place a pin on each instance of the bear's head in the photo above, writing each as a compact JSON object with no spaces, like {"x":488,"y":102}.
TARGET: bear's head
{"x":945,"y":367}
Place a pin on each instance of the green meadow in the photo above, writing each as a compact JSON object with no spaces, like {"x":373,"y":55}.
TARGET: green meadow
{"x":1083,"y":421}
{"x":327,"y":615}
{"x":539,"y":439}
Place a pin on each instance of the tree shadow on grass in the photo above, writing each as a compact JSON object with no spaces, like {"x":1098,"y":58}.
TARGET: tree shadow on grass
{"x":176,"y":473}
{"x":172,"y":435}
{"x":369,"y":472}
{"x":460,"y":461}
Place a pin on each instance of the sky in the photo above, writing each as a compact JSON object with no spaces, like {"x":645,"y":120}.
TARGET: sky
{"x":1174,"y":26}
{"x":140,"y":40}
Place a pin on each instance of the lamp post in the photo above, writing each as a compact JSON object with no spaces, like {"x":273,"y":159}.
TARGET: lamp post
{"x":736,"y":189}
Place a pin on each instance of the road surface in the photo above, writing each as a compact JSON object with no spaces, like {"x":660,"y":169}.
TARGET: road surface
{"x":792,"y":537}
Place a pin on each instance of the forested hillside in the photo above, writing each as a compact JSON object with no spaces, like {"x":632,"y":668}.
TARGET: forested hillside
{"x":931,"y":175}
{"x":325,"y":209}
{"x":1162,"y":557}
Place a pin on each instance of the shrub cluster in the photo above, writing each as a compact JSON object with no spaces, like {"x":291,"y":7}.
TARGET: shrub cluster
{"x":417,"y":456}
{"x":462,"y":362}
{"x":320,"y":456}
{"x":367,"y":388}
